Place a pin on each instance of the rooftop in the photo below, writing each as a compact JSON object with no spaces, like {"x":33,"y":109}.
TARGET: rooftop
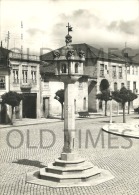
{"x":90,"y":52}
{"x":6,"y":54}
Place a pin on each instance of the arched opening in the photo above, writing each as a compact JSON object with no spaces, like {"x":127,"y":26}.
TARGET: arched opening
{"x":64,"y":68}
{"x":115,"y":86}
{"x":100,"y":105}
{"x":76,"y":68}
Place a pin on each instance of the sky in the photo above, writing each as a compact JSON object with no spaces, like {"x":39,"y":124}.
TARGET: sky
{"x":100,"y":23}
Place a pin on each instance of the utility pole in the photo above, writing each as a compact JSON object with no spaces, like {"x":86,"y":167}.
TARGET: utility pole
{"x":8,"y":37}
{"x":21,"y":37}
{"x":126,"y":63}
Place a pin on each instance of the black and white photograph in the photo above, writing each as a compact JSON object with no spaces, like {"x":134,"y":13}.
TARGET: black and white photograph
{"x":69,"y":97}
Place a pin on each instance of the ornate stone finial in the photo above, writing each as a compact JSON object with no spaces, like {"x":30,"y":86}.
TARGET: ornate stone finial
{"x":70,"y":53}
{"x":56,"y":54}
{"x":68,"y":37}
{"x":81,"y":54}
{"x":68,"y":40}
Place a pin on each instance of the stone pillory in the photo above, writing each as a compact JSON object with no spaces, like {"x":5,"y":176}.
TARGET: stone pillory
{"x":69,"y":169}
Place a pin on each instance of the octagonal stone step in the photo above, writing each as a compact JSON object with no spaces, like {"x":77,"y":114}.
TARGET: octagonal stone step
{"x":63,"y":163}
{"x":69,"y":170}
{"x":72,"y":177}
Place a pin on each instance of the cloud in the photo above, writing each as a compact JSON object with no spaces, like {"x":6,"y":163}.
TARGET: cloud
{"x":94,"y":29}
{"x":128,"y":27}
{"x":80,"y":19}
{"x":85,"y":19}
{"x":35,"y":31}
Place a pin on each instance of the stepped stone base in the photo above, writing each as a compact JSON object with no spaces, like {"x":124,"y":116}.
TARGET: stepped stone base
{"x":63,"y":173}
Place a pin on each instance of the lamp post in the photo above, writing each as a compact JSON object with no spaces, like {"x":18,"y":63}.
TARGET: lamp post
{"x":69,"y":169}
{"x":110,"y":105}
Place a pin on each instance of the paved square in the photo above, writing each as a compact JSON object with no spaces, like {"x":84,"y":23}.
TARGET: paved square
{"x":117,"y":154}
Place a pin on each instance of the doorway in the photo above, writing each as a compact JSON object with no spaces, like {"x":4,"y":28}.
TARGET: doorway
{"x":46,"y":107}
{"x":3,"y":113}
{"x":29,"y":105}
{"x":84,"y":103}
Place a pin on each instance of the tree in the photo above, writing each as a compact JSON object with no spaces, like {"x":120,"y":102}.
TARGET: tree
{"x":104,"y":96}
{"x":13,"y":99}
{"x":59,"y":96}
{"x":104,"y":85}
{"x":122,"y":97}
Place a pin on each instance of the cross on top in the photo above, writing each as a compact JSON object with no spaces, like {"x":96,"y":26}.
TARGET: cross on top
{"x":69,"y":28}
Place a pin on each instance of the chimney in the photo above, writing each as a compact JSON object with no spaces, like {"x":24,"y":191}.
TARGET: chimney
{"x":1,"y":43}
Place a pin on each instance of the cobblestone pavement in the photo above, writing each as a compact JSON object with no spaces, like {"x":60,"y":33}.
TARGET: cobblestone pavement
{"x":114,"y":153}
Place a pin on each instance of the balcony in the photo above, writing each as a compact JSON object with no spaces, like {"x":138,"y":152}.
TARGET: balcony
{"x":24,"y":56}
{"x":135,"y":91}
{"x":27,"y":83}
{"x":16,"y":82}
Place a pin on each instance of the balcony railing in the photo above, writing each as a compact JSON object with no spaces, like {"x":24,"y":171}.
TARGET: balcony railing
{"x":135,"y":91}
{"x":24,"y":56}
{"x":16,"y":81}
{"x":25,"y":83}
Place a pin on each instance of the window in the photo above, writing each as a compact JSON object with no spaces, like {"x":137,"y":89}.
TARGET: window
{"x":114,"y":71}
{"x":134,"y":87}
{"x":25,"y":74}
{"x":64,"y":68}
{"x":122,"y":85}
{"x":101,"y":70}
{"x":115,"y":86}
{"x":136,"y":70}
{"x":76,"y":67}
{"x":120,"y":72}
{"x":34,"y":74}
{"x":128,"y":85}
{"x":133,"y":70}
{"x":15,"y":74}
{"x":128,"y":69}
{"x":2,"y":82}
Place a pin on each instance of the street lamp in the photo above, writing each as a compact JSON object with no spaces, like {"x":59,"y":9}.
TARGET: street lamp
{"x":69,"y":169}
{"x":110,"y":105}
